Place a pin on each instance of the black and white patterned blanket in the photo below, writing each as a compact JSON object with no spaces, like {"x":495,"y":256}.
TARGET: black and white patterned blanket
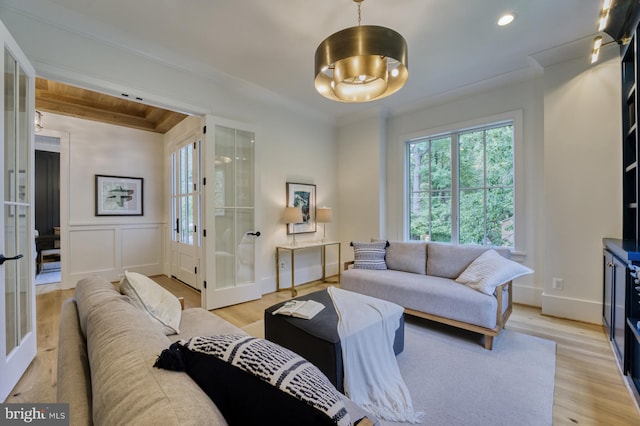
{"x":277,"y":366}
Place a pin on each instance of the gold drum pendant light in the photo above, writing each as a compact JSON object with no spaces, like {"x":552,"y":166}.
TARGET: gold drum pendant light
{"x":361,"y":64}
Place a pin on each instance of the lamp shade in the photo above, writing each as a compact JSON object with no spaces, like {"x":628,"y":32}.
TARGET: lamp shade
{"x":292,"y":215}
{"x":324,"y":214}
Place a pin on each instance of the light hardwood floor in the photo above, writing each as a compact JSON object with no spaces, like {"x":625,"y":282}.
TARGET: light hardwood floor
{"x":589,"y":389}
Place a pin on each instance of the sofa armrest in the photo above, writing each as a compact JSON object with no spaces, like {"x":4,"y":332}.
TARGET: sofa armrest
{"x":501,"y":318}
{"x":73,"y":373}
{"x":347,"y":264}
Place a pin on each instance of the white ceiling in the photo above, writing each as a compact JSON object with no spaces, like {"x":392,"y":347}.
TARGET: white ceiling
{"x":453,"y":44}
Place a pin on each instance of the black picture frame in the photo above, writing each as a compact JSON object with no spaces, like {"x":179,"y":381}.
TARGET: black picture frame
{"x":302,"y":195}
{"x":119,"y":196}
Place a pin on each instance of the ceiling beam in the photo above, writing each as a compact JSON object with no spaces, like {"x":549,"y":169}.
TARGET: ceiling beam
{"x":88,"y":113}
{"x":59,"y":98}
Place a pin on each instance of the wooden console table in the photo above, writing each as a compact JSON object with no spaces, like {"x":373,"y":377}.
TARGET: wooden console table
{"x":305,"y":246}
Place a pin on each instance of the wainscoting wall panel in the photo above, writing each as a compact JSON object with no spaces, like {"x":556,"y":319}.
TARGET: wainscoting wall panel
{"x":91,"y":250}
{"x":142,"y":248}
{"x":110,"y":250}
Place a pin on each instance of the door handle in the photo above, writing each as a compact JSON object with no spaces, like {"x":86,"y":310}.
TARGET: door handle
{"x":255,"y":234}
{"x":4,"y":259}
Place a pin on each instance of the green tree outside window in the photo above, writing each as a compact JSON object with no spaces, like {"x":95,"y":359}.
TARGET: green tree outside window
{"x":461,"y":187}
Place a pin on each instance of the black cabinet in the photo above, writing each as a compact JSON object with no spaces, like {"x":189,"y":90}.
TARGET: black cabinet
{"x":619,"y":325}
{"x":621,"y":305}
{"x":633,"y":326}
{"x":621,"y":291}
{"x":607,"y":294}
{"x":630,"y":142}
{"x":614,"y":302}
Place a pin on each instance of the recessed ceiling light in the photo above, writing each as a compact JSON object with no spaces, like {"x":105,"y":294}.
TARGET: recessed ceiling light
{"x":506,"y":19}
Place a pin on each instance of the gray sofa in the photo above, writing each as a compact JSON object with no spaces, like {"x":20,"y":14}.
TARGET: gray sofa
{"x":106,"y":352}
{"x":420,"y":277}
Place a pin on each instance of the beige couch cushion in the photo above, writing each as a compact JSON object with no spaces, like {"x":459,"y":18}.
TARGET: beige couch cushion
{"x":123,"y":344}
{"x":91,"y":292}
{"x":200,"y":322}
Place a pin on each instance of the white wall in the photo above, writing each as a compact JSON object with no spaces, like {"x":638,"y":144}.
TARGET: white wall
{"x":296,"y":145}
{"x":108,"y":245}
{"x":570,"y":178}
{"x":361,"y":168}
{"x":583,"y":182}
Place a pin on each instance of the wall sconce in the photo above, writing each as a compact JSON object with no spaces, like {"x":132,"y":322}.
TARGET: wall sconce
{"x":324,"y":215}
{"x":292,"y":215}
{"x":595,"y":52}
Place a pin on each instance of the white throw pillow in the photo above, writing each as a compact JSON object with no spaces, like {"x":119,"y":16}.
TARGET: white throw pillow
{"x":490,"y":270}
{"x":154,"y":300}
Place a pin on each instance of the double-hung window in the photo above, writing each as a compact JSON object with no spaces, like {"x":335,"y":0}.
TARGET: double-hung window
{"x":461,"y":186}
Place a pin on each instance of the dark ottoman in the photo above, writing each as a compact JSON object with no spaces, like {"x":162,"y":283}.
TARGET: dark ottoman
{"x":316,"y":339}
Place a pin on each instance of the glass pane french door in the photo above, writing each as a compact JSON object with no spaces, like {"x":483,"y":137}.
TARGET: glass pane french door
{"x":234,"y":204}
{"x":186,"y":211}
{"x":231,"y":211}
{"x":17,"y":299}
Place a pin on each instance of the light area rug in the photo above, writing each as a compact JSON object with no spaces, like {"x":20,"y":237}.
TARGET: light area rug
{"x":453,"y":380}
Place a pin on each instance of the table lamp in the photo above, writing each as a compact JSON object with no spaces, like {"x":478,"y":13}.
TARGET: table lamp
{"x":292,"y":215}
{"x":324,"y":215}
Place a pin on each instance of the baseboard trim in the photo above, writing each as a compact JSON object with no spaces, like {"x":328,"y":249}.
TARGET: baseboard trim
{"x":574,"y":309}
{"x":527,"y":295}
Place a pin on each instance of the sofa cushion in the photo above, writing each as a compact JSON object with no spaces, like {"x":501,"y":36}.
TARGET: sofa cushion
{"x":162,"y":306}
{"x":490,"y":270}
{"x":369,"y":255}
{"x":200,"y":322}
{"x":123,"y":344}
{"x":91,"y":292}
{"x":447,"y":260}
{"x":425,"y":293}
{"x":407,"y":256}
{"x":255,"y":381}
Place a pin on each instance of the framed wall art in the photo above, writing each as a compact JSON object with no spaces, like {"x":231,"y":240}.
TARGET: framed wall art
{"x":119,"y":196}
{"x":302,"y":195}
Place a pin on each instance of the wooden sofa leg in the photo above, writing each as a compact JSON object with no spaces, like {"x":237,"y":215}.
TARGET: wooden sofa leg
{"x":488,"y":342}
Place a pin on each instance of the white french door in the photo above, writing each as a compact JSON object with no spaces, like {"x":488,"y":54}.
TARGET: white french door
{"x":17,"y":295}
{"x":231,"y":214}
{"x":186,"y":211}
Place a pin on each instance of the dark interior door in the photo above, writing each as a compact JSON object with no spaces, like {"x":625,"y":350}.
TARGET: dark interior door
{"x":47,"y":191}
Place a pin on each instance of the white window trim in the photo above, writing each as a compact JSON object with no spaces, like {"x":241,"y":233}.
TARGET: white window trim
{"x":516,"y":117}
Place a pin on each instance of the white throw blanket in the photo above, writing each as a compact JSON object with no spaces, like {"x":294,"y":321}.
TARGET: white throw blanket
{"x":372,"y":379}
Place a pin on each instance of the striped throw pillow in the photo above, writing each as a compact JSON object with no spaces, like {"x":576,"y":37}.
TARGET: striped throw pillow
{"x":369,"y":255}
